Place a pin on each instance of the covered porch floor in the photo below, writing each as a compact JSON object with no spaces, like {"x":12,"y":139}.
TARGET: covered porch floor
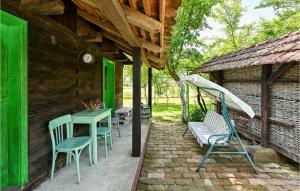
{"x":170,"y":162}
{"x":112,"y":173}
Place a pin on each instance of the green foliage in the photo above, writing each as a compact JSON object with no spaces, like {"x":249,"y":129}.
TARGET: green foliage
{"x":278,"y":5}
{"x":190,"y":20}
{"x":197,"y":115}
{"x":287,"y":19}
{"x":229,"y":12}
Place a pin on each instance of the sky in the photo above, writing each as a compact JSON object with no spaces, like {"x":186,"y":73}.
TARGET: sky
{"x":250,"y":16}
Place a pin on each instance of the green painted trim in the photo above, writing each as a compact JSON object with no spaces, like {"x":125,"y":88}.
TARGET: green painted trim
{"x":109,"y":84}
{"x":17,"y":98}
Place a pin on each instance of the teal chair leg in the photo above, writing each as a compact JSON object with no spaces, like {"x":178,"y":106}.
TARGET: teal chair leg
{"x":54,"y":155}
{"x":111,"y":139}
{"x":105,"y":144}
{"x":77,"y":165}
{"x":90,"y":154}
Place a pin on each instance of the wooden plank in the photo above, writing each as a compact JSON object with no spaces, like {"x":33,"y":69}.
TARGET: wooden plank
{"x":54,"y":7}
{"x":105,"y":25}
{"x":265,"y":104}
{"x":149,"y":45}
{"x":282,"y":68}
{"x":136,"y":120}
{"x":141,"y":20}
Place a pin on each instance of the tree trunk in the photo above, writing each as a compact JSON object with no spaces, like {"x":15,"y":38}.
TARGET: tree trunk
{"x":145,"y":93}
{"x":183,"y":102}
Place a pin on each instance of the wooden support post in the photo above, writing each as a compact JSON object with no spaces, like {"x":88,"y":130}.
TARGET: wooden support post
{"x":150,"y":90}
{"x":136,"y":118}
{"x":265,"y":104}
{"x":219,"y":79}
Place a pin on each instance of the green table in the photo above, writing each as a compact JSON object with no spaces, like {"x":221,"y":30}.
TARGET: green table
{"x":91,"y":118}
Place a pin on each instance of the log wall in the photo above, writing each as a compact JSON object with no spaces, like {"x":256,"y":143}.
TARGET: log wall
{"x":58,"y":80}
{"x":284,"y":126}
{"x":119,"y":85}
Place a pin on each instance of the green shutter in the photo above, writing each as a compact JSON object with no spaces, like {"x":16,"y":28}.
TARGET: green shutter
{"x":13,"y":101}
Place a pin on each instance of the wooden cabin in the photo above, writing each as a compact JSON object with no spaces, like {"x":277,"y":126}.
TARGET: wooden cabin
{"x":266,"y":76}
{"x":43,"y":74}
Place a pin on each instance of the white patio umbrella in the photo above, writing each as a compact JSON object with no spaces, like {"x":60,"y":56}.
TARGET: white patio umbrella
{"x":214,"y":90}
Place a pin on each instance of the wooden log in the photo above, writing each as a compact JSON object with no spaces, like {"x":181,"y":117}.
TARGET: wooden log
{"x":54,"y":7}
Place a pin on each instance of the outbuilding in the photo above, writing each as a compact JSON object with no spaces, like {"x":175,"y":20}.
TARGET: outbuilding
{"x":266,"y":76}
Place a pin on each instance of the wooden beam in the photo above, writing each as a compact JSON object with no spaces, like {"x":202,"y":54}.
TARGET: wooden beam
{"x":117,"y":40}
{"x":162,"y":16}
{"x":149,"y":46}
{"x":114,"y":12}
{"x":147,"y":9}
{"x":150,"y":90}
{"x":265,"y":104}
{"x":282,"y":68}
{"x":54,"y":7}
{"x":219,"y":79}
{"x":105,"y":25}
{"x":139,"y":19}
{"x":136,"y":118}
{"x":152,"y":58}
{"x":97,"y":37}
{"x":83,"y":28}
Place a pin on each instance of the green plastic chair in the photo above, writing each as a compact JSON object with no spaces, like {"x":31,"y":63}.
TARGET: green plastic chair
{"x":61,"y":132}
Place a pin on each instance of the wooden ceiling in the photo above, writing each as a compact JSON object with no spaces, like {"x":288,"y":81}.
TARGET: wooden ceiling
{"x":131,"y":23}
{"x":118,"y":24}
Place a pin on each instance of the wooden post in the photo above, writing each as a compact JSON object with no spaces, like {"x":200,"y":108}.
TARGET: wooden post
{"x":136,"y":118}
{"x":219,"y":79}
{"x":150,"y":90}
{"x":265,"y":104}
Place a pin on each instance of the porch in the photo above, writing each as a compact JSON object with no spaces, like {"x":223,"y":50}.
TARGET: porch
{"x":114,"y":172}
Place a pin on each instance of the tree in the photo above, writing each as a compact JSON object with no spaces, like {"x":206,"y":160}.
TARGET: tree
{"x":190,"y":20}
{"x":229,"y":13}
{"x":287,"y":19}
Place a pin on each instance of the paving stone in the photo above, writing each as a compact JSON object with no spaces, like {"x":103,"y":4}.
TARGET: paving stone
{"x":208,"y":182}
{"x":156,"y":175}
{"x":225,"y":175}
{"x":171,"y":160}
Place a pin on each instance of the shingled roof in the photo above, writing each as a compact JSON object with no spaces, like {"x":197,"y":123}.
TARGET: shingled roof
{"x":276,"y":51}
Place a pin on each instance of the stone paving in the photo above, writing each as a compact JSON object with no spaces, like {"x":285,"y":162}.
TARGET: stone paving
{"x":171,"y":160}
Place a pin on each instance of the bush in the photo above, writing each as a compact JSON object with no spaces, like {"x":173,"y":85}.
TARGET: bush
{"x":197,"y":115}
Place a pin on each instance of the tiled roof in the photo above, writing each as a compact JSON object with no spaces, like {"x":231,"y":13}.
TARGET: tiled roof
{"x":276,"y":51}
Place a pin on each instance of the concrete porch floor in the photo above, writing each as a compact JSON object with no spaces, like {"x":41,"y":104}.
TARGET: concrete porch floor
{"x":170,"y":162}
{"x":113,"y":173}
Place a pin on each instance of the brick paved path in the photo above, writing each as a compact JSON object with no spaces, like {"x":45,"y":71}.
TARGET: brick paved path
{"x":171,"y":160}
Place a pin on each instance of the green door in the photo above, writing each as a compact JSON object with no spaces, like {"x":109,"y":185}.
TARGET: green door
{"x":13,"y":101}
{"x":108,"y":83}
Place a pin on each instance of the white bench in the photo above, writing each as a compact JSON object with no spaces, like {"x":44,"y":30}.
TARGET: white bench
{"x":213,"y":124}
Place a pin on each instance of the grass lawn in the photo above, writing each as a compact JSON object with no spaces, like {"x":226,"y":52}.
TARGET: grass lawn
{"x":167,"y":112}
